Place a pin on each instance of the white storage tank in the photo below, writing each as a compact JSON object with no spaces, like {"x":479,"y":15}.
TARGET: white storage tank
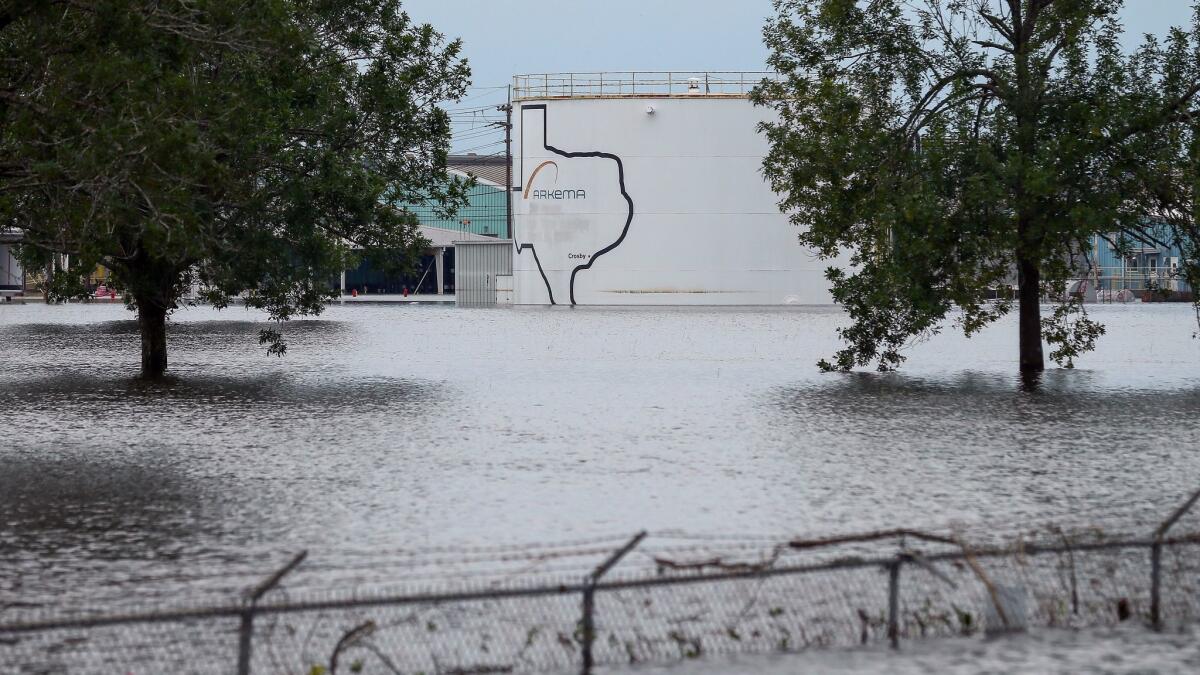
{"x":647,"y":188}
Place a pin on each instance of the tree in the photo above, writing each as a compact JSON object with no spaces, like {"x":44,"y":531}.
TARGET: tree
{"x":247,"y":148}
{"x":948,"y":144}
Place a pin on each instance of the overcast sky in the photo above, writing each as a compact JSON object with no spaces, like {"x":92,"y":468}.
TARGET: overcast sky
{"x":503,"y":38}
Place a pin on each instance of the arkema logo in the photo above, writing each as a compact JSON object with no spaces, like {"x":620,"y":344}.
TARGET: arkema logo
{"x":552,"y":193}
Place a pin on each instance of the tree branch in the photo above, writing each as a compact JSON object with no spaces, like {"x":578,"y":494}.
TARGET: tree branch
{"x":967,"y":74}
{"x":998,"y":24}
{"x":1148,"y":123}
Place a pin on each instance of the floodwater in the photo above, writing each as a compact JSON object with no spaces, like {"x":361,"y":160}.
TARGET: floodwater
{"x":1122,"y":649}
{"x":402,"y":426}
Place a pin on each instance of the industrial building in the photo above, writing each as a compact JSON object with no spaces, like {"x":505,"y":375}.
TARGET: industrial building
{"x":1148,"y":262}
{"x":483,"y":218}
{"x":646,"y":189}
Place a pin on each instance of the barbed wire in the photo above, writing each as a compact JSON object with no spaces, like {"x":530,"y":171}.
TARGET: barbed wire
{"x":517,"y":607}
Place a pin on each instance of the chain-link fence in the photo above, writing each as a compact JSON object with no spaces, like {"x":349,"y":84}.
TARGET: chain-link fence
{"x":648,"y":599}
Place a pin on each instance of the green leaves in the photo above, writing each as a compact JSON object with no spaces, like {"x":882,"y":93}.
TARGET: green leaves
{"x":248,"y":147}
{"x":1070,"y":331}
{"x":942,"y":143}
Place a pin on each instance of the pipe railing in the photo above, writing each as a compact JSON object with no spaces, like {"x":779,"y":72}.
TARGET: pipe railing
{"x":638,"y":83}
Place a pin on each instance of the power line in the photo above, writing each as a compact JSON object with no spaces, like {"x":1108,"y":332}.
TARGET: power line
{"x":480,"y":147}
{"x":475,"y":135}
{"x":479,"y":108}
{"x":488,"y":91}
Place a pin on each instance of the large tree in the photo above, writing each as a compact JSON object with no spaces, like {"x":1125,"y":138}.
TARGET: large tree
{"x":950,"y":145}
{"x":245,"y":147}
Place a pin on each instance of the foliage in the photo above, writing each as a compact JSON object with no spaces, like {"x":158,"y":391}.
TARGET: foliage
{"x":1073,"y":335}
{"x":247,"y":148}
{"x":950,"y":145}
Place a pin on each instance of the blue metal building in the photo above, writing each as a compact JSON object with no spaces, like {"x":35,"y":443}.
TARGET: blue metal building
{"x":1138,"y":263}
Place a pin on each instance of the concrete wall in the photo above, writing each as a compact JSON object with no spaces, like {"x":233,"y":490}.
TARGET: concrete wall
{"x":619,"y":205}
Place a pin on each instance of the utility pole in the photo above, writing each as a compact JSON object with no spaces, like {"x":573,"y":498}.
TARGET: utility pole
{"x":508,"y":184}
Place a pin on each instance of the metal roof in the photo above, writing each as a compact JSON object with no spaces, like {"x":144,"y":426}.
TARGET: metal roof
{"x":488,"y":169}
{"x":441,"y":237}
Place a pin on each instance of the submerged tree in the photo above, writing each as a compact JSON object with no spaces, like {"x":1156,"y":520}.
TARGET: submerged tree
{"x":950,"y":144}
{"x":244,"y":148}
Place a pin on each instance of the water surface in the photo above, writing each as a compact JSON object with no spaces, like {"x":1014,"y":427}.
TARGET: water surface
{"x":407,"y":426}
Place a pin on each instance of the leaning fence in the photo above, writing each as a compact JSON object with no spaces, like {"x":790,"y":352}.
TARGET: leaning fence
{"x":645,"y":599}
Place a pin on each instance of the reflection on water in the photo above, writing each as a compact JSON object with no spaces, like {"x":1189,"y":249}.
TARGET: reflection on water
{"x":1075,"y":449}
{"x":275,"y":390}
{"x":405,"y":426}
{"x":55,"y":503}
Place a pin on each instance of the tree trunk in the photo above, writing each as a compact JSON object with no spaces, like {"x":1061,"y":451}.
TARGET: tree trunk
{"x":152,"y":321}
{"x":1029,"y":308}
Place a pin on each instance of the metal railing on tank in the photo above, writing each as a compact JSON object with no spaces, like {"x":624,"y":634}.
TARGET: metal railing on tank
{"x":638,"y":83}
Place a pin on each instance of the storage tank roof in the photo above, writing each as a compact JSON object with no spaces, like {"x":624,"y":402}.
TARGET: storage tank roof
{"x":638,"y":84}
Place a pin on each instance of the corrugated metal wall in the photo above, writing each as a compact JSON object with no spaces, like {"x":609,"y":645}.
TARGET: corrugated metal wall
{"x":484,"y":213}
{"x":476,"y":266}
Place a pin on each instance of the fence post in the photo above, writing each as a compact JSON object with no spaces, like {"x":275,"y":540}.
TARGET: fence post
{"x":246,"y":633}
{"x":1155,"y":584}
{"x":894,"y":601}
{"x":587,"y":624}
{"x":245,"y":636}
{"x":1156,"y":559}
